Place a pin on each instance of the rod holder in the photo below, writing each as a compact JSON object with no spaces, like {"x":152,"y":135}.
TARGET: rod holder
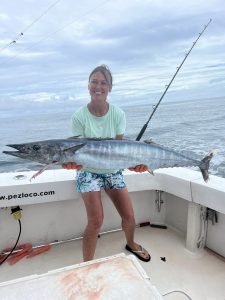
{"x":159,"y":200}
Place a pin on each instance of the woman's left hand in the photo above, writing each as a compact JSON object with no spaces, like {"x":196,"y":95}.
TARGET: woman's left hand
{"x":139,"y":168}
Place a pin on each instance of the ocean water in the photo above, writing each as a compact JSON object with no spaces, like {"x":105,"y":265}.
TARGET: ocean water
{"x":193,"y":126}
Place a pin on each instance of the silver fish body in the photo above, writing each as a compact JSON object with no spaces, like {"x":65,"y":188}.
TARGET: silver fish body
{"x":120,"y":154}
{"x":107,"y":154}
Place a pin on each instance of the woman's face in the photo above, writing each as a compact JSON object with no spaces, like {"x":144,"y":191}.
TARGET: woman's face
{"x":98,"y":86}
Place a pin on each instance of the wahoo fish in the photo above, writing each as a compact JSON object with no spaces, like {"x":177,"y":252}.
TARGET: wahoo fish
{"x":110,"y":154}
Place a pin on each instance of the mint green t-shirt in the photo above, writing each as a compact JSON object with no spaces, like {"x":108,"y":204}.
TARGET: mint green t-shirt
{"x":85,"y":124}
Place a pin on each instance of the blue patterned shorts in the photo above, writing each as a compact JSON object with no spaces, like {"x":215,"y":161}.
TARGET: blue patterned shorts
{"x":93,"y":182}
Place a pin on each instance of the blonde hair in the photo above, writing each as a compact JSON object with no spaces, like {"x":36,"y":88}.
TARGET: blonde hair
{"x":105,"y":72}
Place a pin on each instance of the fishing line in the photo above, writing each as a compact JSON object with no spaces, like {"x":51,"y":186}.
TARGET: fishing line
{"x":28,"y":27}
{"x":89,"y":12}
{"x":167,"y":86}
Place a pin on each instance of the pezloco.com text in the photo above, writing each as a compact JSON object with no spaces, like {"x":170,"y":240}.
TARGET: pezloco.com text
{"x":26,"y":195}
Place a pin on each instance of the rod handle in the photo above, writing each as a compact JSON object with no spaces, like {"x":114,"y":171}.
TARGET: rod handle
{"x":141,"y":132}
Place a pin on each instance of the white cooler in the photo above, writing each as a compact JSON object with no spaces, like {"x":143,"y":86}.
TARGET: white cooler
{"x":118,"y":277}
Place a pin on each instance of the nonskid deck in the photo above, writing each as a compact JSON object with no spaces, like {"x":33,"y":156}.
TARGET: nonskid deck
{"x":172,"y":267}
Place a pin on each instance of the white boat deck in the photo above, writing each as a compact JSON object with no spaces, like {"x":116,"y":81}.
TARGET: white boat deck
{"x":198,"y":273}
{"x":201,"y":275}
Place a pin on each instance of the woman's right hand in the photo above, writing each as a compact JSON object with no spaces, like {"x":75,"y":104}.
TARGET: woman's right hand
{"x":71,"y":166}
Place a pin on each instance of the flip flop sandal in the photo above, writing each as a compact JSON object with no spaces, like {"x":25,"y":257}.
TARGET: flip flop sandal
{"x":138,"y":252}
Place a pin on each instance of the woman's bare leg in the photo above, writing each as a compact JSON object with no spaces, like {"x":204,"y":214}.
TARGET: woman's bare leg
{"x":121,"y":200}
{"x":93,"y":205}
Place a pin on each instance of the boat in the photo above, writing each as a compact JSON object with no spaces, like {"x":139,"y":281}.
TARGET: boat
{"x":180,"y":220}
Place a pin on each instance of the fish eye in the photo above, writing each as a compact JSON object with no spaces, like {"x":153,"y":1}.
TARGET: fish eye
{"x":36,"y":147}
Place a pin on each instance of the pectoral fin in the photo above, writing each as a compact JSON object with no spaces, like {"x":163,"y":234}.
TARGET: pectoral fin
{"x":74,"y":148}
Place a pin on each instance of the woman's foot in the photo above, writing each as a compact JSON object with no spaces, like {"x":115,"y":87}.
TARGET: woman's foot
{"x":139,"y":251}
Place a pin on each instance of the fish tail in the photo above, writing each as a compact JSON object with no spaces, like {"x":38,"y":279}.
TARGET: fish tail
{"x":204,"y":165}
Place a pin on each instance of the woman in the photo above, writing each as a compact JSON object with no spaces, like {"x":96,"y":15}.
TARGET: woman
{"x":101,"y":119}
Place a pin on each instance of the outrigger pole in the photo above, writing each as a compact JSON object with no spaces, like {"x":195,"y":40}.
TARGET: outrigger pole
{"x":167,"y":86}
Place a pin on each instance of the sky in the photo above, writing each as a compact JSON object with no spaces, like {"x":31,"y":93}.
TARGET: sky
{"x":48,"y":48}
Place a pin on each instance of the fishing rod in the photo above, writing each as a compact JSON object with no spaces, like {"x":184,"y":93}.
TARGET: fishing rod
{"x":167,"y":86}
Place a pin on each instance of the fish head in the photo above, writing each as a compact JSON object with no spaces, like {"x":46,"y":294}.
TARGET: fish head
{"x":43,"y":152}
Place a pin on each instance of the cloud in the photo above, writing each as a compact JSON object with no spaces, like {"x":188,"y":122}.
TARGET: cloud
{"x":3,"y":17}
{"x":143,"y":42}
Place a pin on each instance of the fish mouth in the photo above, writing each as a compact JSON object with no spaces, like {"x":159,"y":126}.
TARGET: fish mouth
{"x":20,"y":153}
{"x":17,"y":147}
{"x":16,"y":153}
{"x":23,"y":155}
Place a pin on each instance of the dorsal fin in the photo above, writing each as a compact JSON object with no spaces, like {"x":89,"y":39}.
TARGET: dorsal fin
{"x":73,"y":137}
{"x":89,"y":138}
{"x":99,"y":139}
{"x":150,"y":141}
